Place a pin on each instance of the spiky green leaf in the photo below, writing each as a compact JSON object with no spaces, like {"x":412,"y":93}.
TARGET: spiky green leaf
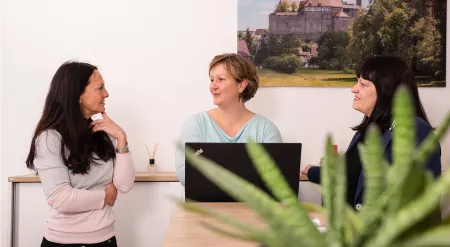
{"x":436,"y":237}
{"x":411,"y":213}
{"x":329,"y":190}
{"x":275,"y":181}
{"x":372,"y":158}
{"x":430,"y":144}
{"x":252,"y":232}
{"x":241,"y":235}
{"x":403,"y":142}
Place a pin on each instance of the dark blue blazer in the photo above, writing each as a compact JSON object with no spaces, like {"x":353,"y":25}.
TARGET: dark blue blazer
{"x":422,"y":131}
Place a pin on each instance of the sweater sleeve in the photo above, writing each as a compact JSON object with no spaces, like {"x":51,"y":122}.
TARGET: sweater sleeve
{"x":124,"y":173}
{"x":314,"y":174}
{"x":271,"y":133}
{"x":55,"y":180}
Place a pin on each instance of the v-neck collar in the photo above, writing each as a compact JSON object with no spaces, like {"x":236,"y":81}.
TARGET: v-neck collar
{"x":229,"y":138}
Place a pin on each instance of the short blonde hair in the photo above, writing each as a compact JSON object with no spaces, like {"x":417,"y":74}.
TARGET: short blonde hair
{"x":240,"y":69}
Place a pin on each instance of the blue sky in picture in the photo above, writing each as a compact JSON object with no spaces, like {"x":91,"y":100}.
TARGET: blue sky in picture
{"x":254,"y":14}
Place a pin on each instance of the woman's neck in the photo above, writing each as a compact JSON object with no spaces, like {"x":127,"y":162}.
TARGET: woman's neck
{"x":232,"y":113}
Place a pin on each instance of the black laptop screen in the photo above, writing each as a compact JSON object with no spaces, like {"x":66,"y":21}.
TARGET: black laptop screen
{"x":234,"y":157}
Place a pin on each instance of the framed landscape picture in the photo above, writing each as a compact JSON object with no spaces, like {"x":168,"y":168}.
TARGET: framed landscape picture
{"x":319,"y":43}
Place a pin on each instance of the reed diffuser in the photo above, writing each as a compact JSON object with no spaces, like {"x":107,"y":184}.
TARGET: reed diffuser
{"x":151,"y":162}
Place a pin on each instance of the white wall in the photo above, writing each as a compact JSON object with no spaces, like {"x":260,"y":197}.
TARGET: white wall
{"x":1,"y":76}
{"x":148,"y":66}
{"x":154,"y":57}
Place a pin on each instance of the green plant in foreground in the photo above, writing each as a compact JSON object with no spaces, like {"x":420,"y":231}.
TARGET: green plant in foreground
{"x":401,"y":201}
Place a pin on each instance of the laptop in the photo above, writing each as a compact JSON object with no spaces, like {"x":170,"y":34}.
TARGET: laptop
{"x":234,"y":157}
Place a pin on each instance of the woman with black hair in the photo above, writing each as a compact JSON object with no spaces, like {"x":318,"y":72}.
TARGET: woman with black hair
{"x":81,"y":163}
{"x":378,"y":79}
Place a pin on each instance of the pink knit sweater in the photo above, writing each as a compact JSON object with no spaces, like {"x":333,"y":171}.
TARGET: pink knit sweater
{"x":77,"y":210}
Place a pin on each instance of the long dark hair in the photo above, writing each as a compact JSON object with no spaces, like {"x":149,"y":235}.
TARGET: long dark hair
{"x":387,"y":72}
{"x":62,"y":112}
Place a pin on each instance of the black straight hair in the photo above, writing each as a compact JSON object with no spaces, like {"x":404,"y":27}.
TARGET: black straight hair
{"x":62,"y":112}
{"x":387,"y":73}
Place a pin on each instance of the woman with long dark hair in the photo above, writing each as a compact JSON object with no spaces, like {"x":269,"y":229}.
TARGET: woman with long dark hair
{"x":378,"y":79}
{"x":82,"y":163}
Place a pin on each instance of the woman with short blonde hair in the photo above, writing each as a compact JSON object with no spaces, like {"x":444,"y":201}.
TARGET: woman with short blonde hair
{"x":233,"y":82}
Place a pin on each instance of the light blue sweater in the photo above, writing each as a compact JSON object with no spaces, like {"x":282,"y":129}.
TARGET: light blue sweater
{"x":201,"y":128}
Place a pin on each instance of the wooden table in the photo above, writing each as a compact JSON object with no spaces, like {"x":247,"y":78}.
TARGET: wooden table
{"x":140,"y":177}
{"x":185,"y":231}
{"x":303,"y":177}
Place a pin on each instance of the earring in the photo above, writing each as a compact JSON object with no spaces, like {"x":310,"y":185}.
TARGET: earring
{"x":80,"y":101}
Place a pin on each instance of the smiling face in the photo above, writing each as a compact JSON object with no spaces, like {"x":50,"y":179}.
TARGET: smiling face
{"x":92,"y":100}
{"x":365,"y":96}
{"x":223,"y":87}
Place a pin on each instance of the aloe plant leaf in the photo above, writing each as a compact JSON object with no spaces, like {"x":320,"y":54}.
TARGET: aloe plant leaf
{"x":372,"y":157}
{"x":353,"y":224}
{"x":410,"y":214}
{"x":355,"y":219}
{"x":403,"y":142}
{"x":275,"y":181}
{"x":333,"y":187}
{"x":349,"y":233}
{"x":419,"y":180}
{"x":404,"y":138}
{"x":429,"y":145}
{"x":435,"y":237}
{"x":249,"y":230}
{"x":327,"y":178}
{"x":340,"y":201}
{"x":393,"y":187}
{"x":264,"y":239}
{"x":378,"y":212}
{"x":311,"y":207}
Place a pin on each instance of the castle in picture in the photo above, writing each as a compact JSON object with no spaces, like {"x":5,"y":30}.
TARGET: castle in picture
{"x":312,"y":18}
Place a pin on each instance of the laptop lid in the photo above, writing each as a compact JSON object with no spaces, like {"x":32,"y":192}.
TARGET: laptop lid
{"x":234,"y":157}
